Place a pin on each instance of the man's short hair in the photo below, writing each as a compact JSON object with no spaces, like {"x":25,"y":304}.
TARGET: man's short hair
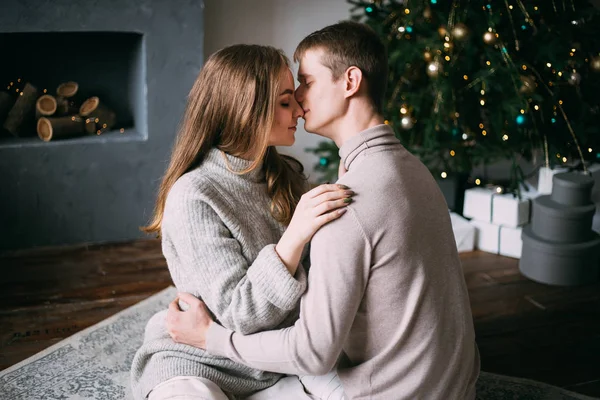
{"x":348,"y":44}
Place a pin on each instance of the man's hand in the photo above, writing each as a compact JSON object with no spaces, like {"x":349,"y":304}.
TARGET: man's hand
{"x":190,"y":326}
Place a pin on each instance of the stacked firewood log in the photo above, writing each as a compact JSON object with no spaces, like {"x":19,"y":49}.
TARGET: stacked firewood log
{"x":25,"y":110}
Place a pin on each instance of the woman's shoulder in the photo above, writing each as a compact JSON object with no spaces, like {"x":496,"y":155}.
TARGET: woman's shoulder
{"x":191,"y":187}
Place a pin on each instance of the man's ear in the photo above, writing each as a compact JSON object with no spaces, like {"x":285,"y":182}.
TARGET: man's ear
{"x":353,"y":79}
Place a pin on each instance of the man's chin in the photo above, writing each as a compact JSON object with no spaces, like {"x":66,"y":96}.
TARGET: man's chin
{"x":315,"y":132}
{"x":310,"y":129}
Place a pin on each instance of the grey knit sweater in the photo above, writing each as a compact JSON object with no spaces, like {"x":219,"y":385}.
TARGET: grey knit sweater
{"x":218,"y":238}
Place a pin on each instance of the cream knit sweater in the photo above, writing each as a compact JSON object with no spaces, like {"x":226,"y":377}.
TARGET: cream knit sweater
{"x":218,"y":238}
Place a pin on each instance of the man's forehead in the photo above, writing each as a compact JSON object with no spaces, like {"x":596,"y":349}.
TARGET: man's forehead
{"x":309,"y":63}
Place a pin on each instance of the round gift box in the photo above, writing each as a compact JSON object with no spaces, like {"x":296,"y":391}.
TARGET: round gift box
{"x":559,"y":263}
{"x":572,"y":189}
{"x":556,"y":222}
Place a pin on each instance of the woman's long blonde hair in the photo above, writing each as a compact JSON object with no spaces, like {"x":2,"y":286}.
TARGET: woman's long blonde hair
{"x":231,"y":107}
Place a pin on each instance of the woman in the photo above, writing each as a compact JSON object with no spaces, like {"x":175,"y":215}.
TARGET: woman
{"x":222,"y":212}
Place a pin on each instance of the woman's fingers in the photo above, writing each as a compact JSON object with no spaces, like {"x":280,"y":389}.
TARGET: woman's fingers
{"x":330,"y":196}
{"x":331,"y":205}
{"x":319,"y":190}
{"x":330,"y":216}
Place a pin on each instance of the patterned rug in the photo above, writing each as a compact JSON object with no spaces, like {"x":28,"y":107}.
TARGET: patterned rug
{"x":94,"y":364}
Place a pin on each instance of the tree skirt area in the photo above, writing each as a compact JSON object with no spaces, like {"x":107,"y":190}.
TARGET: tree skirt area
{"x":94,"y":364}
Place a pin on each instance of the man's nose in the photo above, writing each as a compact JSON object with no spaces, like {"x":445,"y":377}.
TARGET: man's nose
{"x":299,"y":95}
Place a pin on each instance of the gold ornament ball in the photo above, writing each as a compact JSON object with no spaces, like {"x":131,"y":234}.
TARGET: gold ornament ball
{"x":528,"y":84}
{"x":489,"y":37}
{"x":433,"y":69}
{"x":427,"y":12}
{"x":595,"y":64}
{"x":442,"y":31}
{"x":427,"y":56}
{"x":460,"y":31}
{"x":574,"y":78}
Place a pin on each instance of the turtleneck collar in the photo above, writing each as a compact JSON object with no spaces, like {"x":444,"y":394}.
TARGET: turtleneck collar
{"x":379,"y":135}
{"x":233,"y":164}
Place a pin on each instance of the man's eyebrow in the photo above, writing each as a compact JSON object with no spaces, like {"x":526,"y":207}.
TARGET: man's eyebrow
{"x":286,"y":91}
{"x":303,"y":76}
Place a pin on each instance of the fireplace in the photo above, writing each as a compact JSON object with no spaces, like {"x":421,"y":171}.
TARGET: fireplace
{"x":138,"y":60}
{"x":106,"y":65}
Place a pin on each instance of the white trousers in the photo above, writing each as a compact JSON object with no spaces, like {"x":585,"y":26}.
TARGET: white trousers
{"x":325,"y":387}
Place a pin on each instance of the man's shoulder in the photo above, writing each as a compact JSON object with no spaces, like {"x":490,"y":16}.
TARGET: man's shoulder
{"x":347,"y":230}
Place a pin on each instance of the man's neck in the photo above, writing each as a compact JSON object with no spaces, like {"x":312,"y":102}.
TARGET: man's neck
{"x":354,"y":122}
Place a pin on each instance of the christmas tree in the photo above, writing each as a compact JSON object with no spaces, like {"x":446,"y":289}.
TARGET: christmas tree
{"x":475,"y":82}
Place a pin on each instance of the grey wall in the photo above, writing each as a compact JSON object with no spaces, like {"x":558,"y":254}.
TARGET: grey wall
{"x":102,"y":188}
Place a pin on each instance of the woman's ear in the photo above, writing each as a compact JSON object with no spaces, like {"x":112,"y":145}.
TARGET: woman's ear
{"x":353,"y":79}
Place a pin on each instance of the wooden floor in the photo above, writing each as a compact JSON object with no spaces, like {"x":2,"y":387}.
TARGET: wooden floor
{"x":524,"y":329}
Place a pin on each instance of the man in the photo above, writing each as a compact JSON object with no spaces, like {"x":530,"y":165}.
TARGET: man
{"x":386,"y":299}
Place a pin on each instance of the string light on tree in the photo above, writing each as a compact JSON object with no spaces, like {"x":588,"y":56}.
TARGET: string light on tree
{"x":407,"y":122}
{"x":489,"y":37}
{"x":433,"y":69}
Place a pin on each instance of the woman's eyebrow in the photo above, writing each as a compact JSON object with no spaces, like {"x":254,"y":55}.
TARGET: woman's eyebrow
{"x":286,"y":91}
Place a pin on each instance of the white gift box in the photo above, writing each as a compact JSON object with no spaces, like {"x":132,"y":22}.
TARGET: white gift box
{"x":511,"y":212}
{"x":464,"y":233}
{"x":478,"y":204}
{"x":511,"y":243}
{"x":545,"y":178}
{"x":498,"y":239}
{"x":501,"y":209}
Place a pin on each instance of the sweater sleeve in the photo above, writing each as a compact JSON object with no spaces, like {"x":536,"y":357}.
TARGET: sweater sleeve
{"x":341,"y":258}
{"x":246,"y":297}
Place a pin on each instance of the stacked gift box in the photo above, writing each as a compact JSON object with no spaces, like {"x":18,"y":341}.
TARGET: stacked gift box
{"x":559,"y":246}
{"x":594,"y":169}
{"x":498,"y":218}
